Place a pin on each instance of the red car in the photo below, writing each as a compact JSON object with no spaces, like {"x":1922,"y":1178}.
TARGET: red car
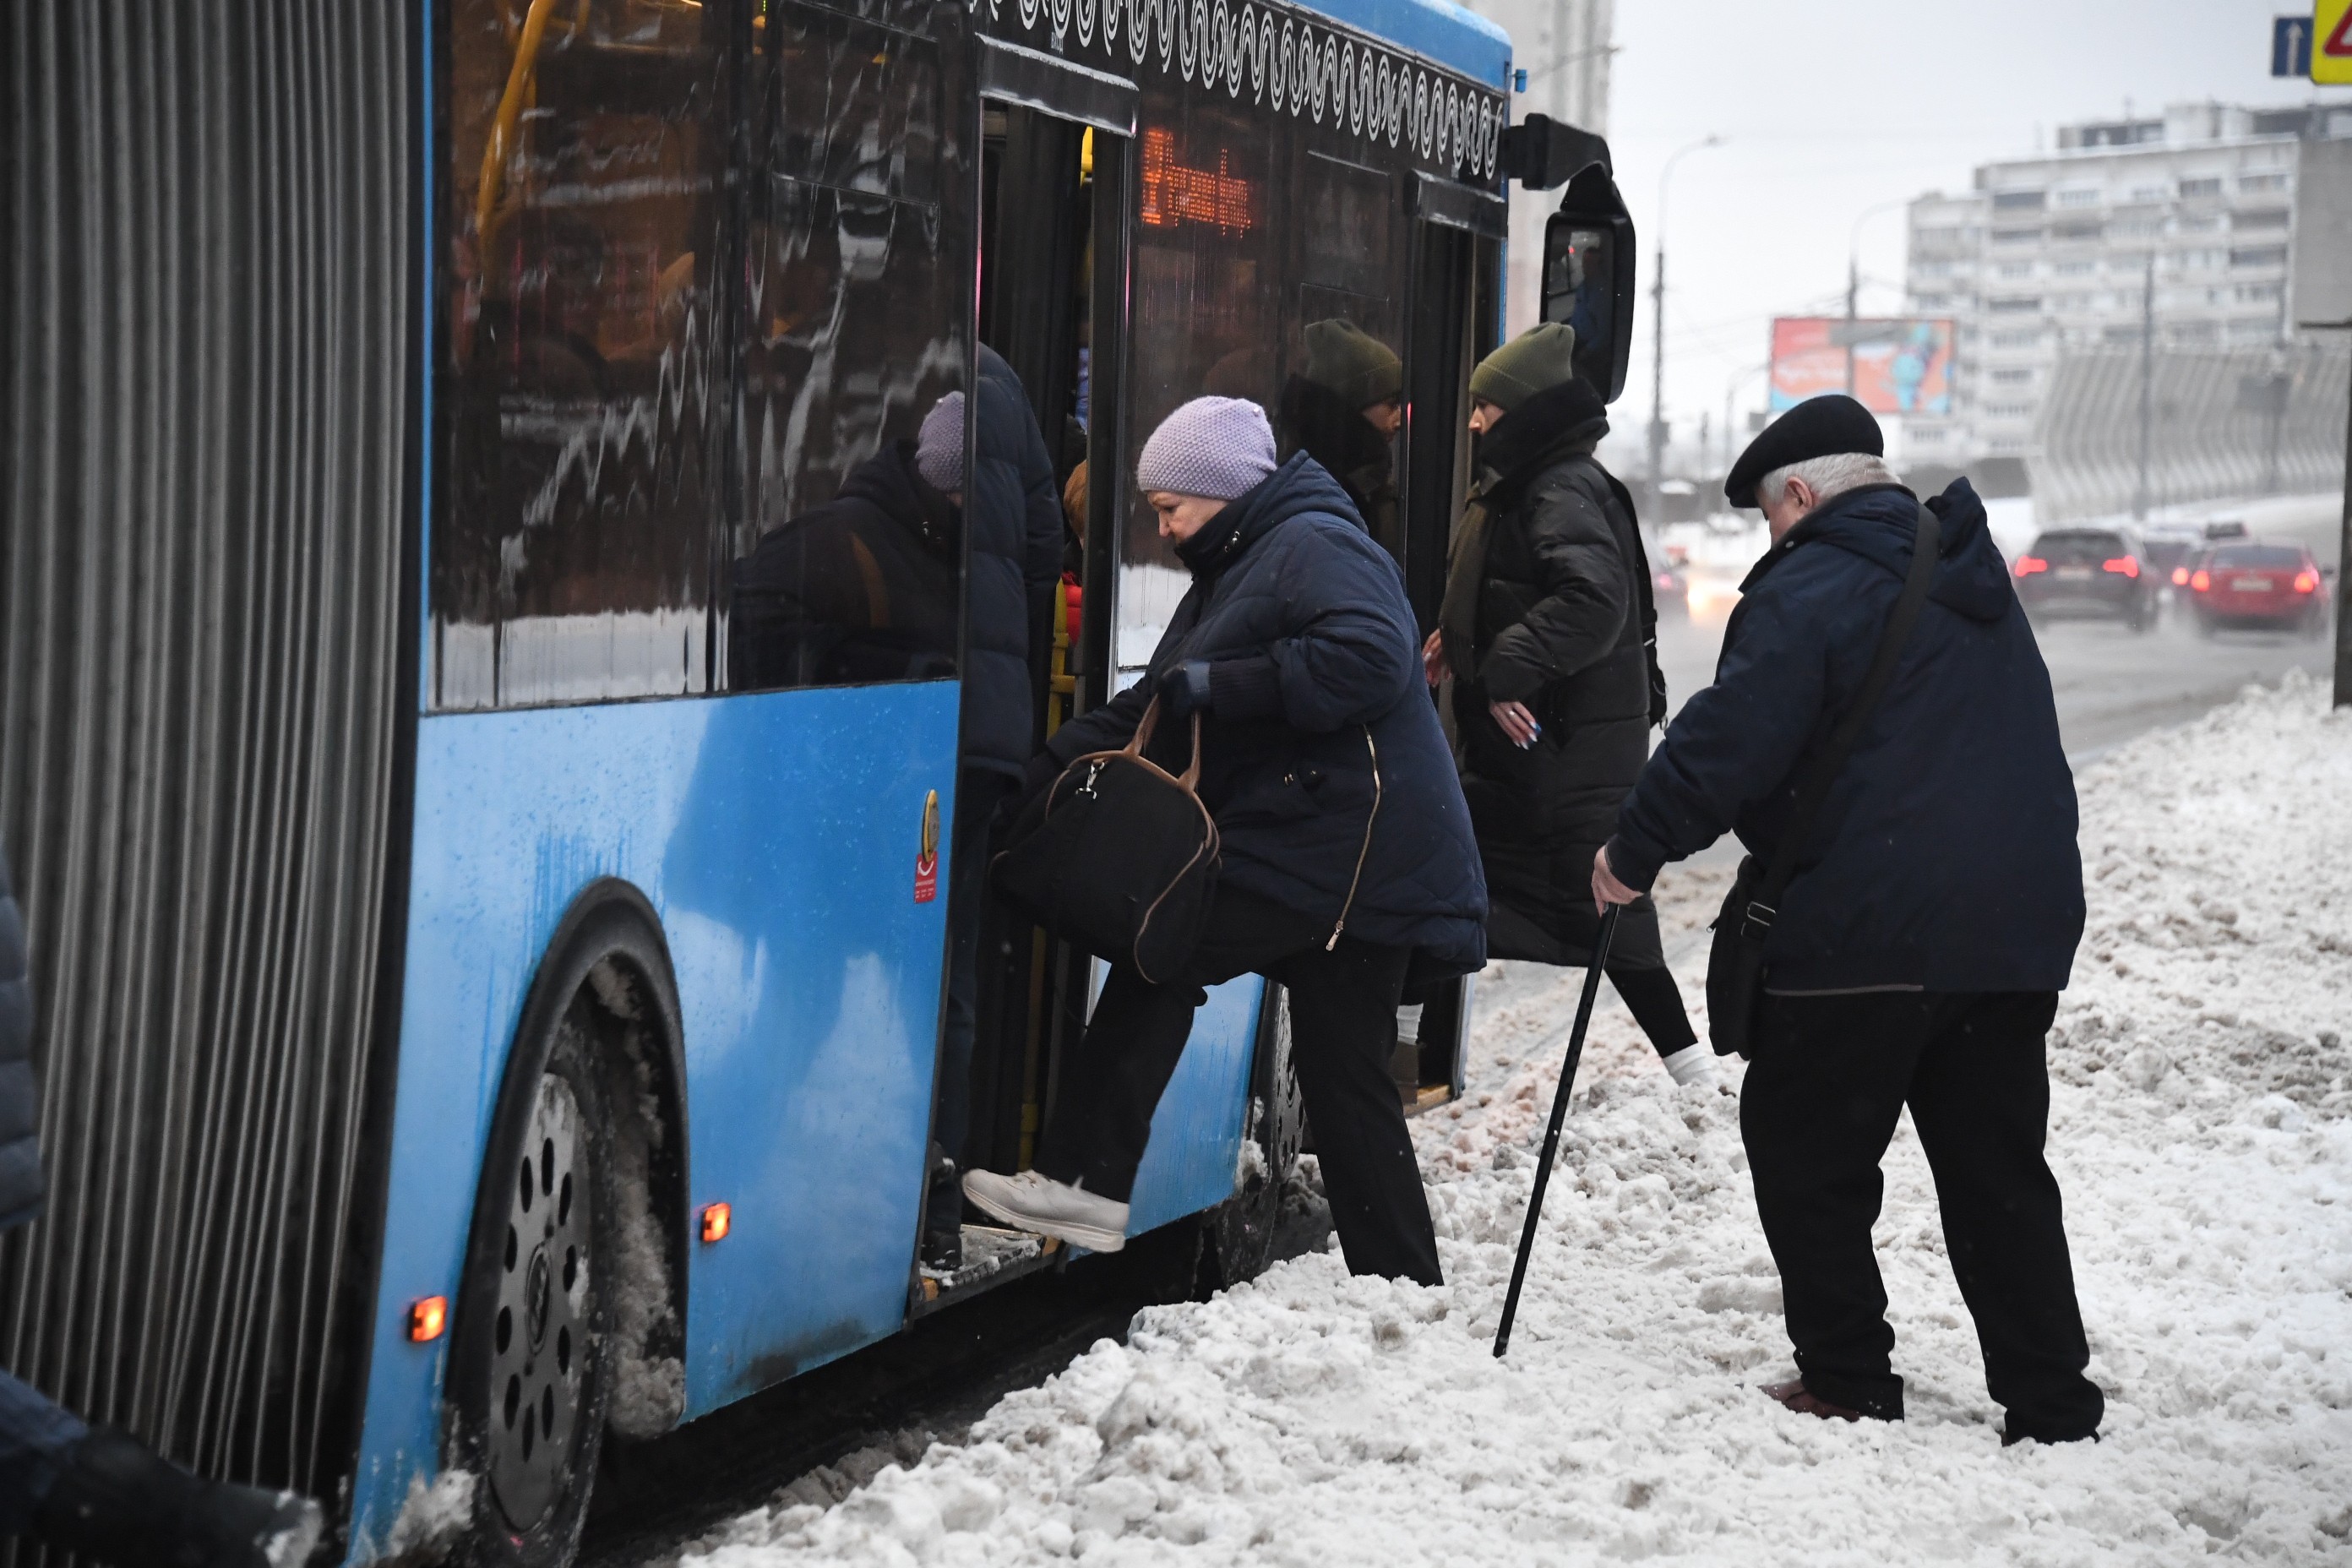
{"x":2255,"y":586}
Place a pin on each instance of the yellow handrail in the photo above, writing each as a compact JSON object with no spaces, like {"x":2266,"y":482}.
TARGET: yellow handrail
{"x":510,"y":106}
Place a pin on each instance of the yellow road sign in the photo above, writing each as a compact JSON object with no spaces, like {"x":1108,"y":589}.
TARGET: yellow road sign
{"x":2331,"y":41}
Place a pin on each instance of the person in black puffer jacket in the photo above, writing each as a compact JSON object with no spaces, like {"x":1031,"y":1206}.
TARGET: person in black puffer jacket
{"x":1548,"y":632}
{"x":94,"y":1491}
{"x":1348,"y":856}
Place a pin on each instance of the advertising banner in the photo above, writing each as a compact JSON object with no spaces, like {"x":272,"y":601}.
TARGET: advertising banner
{"x":1902,"y":365}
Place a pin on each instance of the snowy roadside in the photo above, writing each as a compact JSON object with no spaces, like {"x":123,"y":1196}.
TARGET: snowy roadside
{"x":2203,"y":1134}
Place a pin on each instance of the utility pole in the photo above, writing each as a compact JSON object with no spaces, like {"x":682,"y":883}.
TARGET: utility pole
{"x":1853,"y":296}
{"x":1658,"y":381}
{"x":2146,"y":386}
{"x":1658,"y":327}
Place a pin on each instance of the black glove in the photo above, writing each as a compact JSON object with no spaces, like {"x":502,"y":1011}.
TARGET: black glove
{"x":1185,"y":689}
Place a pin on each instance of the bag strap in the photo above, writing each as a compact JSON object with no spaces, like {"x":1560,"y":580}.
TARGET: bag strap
{"x":1646,"y":589}
{"x":1822,"y":770}
{"x":1191,"y":777}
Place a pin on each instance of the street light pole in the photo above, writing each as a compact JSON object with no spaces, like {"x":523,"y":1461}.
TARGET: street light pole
{"x":1854,"y":276}
{"x":1658,"y":327}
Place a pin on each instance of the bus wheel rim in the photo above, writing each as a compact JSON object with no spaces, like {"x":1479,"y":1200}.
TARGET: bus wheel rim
{"x":538,"y":1345}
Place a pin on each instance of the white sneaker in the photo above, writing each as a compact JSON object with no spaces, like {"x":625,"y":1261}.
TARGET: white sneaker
{"x":1037,"y":1203}
{"x":1691,"y":1064}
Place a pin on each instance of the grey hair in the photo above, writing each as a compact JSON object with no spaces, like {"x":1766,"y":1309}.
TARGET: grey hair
{"x":1829,"y":476}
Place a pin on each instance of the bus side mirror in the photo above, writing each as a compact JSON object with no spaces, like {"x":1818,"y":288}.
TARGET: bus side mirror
{"x":1543,"y":153}
{"x":1588,"y":277}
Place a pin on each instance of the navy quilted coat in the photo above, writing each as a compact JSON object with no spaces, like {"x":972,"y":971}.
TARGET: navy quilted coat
{"x":20,"y":1101}
{"x":1319,"y":709}
{"x":1013,"y":513}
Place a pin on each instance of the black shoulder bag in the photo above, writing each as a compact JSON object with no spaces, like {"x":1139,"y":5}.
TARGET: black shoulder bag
{"x":1119,"y":857}
{"x":1735,"y":966}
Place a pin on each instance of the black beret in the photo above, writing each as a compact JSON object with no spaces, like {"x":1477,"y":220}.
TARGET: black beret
{"x":1824,"y":426}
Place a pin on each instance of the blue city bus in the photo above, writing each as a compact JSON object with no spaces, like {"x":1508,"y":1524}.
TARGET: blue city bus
{"x":490,"y":943}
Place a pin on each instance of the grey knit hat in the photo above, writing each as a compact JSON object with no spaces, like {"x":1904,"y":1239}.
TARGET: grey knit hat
{"x":939,"y":450}
{"x":1217,"y":447}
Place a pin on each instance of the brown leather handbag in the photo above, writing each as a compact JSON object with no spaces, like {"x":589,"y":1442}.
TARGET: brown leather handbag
{"x":1119,"y":857}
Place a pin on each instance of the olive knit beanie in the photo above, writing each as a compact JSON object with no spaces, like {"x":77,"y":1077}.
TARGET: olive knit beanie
{"x":1538,"y":359}
{"x":939,"y":450}
{"x":1216,"y":447}
{"x":1351,"y":361}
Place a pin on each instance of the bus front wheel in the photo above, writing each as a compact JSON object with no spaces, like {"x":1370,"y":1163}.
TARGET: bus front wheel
{"x":529,"y":1373}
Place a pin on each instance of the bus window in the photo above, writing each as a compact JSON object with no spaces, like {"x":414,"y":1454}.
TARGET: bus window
{"x":1208,"y":267}
{"x":1344,"y":403}
{"x":847,"y":558}
{"x":581,"y":211}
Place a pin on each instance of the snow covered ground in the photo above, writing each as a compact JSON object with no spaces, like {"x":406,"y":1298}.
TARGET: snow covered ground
{"x":2201,"y":1130}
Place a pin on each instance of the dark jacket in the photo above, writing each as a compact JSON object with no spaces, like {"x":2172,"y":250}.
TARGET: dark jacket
{"x":860,"y":589}
{"x":1318,"y":712}
{"x":1944,"y":856}
{"x":1013,"y":509}
{"x":1322,"y":424}
{"x":1564,"y":626}
{"x":20,"y":1098}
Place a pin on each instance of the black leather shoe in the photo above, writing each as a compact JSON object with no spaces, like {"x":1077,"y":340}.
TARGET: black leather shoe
{"x":122,"y":1502}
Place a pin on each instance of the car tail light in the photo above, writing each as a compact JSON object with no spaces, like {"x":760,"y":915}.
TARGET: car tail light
{"x":2122,"y":566}
{"x":2180,"y":577}
{"x":2306,"y":581}
{"x":2201,"y":581}
{"x":2026,"y":566}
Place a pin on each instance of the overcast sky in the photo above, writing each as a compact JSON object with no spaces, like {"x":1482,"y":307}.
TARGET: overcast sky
{"x":1829,"y":108}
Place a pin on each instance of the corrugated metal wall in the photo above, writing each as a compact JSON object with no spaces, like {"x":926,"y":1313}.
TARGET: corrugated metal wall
{"x":2222,"y":424}
{"x":207,"y":431}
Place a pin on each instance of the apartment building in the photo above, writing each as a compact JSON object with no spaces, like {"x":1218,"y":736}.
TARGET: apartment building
{"x":2055,"y":253}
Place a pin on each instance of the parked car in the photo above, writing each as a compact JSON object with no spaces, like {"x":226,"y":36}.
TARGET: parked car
{"x":2260,"y":586}
{"x":1669,"y":578}
{"x":2089,"y":572}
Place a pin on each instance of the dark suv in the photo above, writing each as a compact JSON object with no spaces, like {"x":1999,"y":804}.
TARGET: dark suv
{"x":2089,"y":572}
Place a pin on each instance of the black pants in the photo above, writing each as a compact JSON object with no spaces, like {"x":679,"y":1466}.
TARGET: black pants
{"x":1829,"y":1075}
{"x":979,"y":793}
{"x":1343,"y":1006}
{"x":1656,"y":1003}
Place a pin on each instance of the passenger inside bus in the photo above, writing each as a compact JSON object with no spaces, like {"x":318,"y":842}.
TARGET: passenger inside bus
{"x":1344,"y":411}
{"x":864,"y":588}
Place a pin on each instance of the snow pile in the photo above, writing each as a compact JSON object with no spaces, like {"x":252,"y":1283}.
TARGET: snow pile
{"x":2201,"y":1132}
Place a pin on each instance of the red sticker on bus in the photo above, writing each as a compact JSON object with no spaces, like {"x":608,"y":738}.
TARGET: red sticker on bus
{"x":927,"y":851}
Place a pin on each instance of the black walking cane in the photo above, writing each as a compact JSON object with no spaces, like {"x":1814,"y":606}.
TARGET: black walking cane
{"x":1559,"y":1115}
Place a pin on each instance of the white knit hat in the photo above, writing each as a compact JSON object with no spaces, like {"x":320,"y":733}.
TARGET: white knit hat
{"x":1216,"y":447}
{"x":939,"y":450}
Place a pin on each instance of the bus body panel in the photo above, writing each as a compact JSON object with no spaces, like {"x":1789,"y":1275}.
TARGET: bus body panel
{"x":810,"y":1042}
{"x":1447,"y":34}
{"x":1194,"y":1155}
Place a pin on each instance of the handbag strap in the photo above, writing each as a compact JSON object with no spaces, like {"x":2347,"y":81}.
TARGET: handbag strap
{"x":1191,"y":777}
{"x":1813,"y":784}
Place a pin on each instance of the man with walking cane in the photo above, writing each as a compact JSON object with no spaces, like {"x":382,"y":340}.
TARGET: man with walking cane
{"x":1881,"y":736}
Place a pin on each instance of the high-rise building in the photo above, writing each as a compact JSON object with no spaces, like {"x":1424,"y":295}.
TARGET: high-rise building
{"x":2054,"y":255}
{"x":1565,"y":47}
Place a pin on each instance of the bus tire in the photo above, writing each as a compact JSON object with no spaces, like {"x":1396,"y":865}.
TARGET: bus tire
{"x":531,"y":1352}
{"x":1242,"y":1231}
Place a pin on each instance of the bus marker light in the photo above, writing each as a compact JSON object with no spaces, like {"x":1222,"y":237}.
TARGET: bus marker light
{"x":717,"y":1220}
{"x":428,"y":1318}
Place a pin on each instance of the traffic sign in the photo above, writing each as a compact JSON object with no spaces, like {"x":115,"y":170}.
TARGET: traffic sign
{"x":2290,"y":46}
{"x":2331,"y":46}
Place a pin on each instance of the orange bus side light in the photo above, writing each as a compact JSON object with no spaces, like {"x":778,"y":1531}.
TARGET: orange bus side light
{"x":428,"y":1318}
{"x":717,"y":1220}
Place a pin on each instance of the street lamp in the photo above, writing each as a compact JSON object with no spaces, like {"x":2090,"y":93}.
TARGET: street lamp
{"x":1854,"y":276}
{"x":1658,"y":327}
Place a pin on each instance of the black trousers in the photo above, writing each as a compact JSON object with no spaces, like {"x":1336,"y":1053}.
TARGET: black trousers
{"x":1343,"y":1006}
{"x":1829,"y":1075}
{"x":1656,"y":1003}
{"x":979,"y":793}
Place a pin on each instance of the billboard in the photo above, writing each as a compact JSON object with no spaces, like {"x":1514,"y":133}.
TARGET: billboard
{"x":1902,"y":365}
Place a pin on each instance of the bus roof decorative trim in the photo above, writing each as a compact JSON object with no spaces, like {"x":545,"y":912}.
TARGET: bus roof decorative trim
{"x":1315,"y":67}
{"x":1015,"y":73}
